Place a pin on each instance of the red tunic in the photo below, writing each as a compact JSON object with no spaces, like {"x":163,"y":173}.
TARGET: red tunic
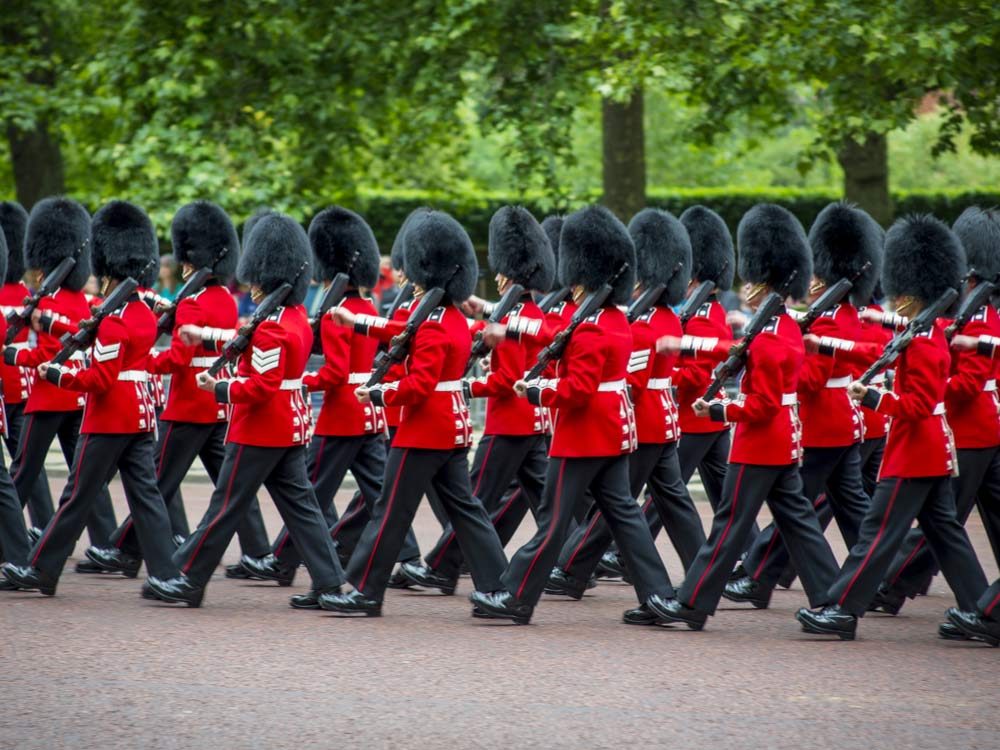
{"x":649,"y":376}
{"x":66,"y":308}
{"x":830,"y":418}
{"x":971,"y":395}
{"x":768,"y":432}
{"x":694,"y":372}
{"x":16,"y":380}
{"x":116,"y":382}
{"x":919,"y":443}
{"x":506,"y":413}
{"x":592,"y":412}
{"x":376,"y":326}
{"x":268,"y":408}
{"x":348,"y":363}
{"x":212,"y":307}
{"x":434,"y":413}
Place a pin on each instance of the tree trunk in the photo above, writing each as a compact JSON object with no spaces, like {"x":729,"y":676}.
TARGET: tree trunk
{"x":866,"y":176}
{"x":37,"y":163}
{"x":624,"y":156}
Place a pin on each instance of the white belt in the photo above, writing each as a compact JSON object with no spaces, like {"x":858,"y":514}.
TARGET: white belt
{"x":938,"y":410}
{"x":789,"y":399}
{"x":202,"y":362}
{"x":134,"y":376}
{"x":449,"y":386}
{"x":291,"y":385}
{"x":612,"y":386}
{"x":358,"y":378}
{"x":839,"y":382}
{"x":991,"y":385}
{"x":659,"y":384}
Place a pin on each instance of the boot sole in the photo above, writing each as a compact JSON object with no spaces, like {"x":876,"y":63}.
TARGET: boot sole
{"x":416,"y":581}
{"x":195,"y":604}
{"x":127,"y":572}
{"x":808,"y":627}
{"x":756,"y":603}
{"x":576,"y":595}
{"x":487,"y":614}
{"x":975,"y":636}
{"x":351,"y":613}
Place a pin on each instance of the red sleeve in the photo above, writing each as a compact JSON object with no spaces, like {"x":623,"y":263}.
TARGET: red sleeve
{"x":378,"y":328}
{"x":765,"y":400}
{"x":816,"y":369}
{"x":267,"y":366}
{"x":178,"y":355}
{"x":584,"y":364}
{"x":106,"y":359}
{"x":423,"y":371}
{"x":336,"y":355}
{"x":507,"y":366}
{"x":970,"y":371}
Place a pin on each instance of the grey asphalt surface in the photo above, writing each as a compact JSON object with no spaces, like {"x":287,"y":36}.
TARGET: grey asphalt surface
{"x":97,"y":666}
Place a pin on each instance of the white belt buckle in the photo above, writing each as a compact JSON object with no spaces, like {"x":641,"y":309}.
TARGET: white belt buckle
{"x":612,"y":386}
{"x":291,"y":385}
{"x":789,"y":399}
{"x":659,"y":384}
{"x":358,"y":378}
{"x":991,"y":385}
{"x":448,"y":386}
{"x":841,"y":382}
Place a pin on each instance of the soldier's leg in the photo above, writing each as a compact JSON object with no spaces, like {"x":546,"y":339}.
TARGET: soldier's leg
{"x":989,"y":601}
{"x":14,"y":545}
{"x":36,"y":437}
{"x":39,"y":500}
{"x":101,"y":524}
{"x":871,"y":460}
{"x":988,"y":502}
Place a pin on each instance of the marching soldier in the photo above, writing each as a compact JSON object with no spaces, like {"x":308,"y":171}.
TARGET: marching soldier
{"x":971,"y":408}
{"x":117,"y":432}
{"x":17,"y":380}
{"x":513,"y":443}
{"x":57,"y":228}
{"x":923,"y":258}
{"x":663,"y":251}
{"x":431,"y":446}
{"x":269,"y":427}
{"x":594,"y":429}
{"x":845,"y":240}
{"x":764,"y":462}
{"x":193,"y":424}
{"x":348,"y":435}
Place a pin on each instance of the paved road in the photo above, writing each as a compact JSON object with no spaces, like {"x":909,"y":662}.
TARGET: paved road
{"x":96,"y":666}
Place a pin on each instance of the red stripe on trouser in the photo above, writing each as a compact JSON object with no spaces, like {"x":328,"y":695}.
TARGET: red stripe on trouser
{"x":725,"y":533}
{"x":69,"y":500}
{"x":319,"y":459}
{"x":475,"y":492}
{"x":590,"y":528}
{"x":552,"y":525}
{"x":125,"y":533}
{"x":339,"y":525}
{"x":909,"y":559}
{"x":225,"y":504}
{"x":163,"y":450}
{"x":24,"y":442}
{"x":385,"y":520}
{"x":507,"y":506}
{"x":875,"y":541}
{"x":992,"y":604}
{"x":777,"y":536}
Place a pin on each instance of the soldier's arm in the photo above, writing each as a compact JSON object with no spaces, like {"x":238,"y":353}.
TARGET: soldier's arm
{"x":267,"y":367}
{"x":423,"y":372}
{"x":106,"y":361}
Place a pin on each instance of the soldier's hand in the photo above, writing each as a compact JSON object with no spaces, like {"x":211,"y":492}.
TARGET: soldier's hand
{"x":494,"y":334}
{"x":205,"y":381}
{"x":857,"y":390}
{"x":811,"y":342}
{"x":363,"y":394}
{"x":42,"y":369}
{"x":484,"y":363}
{"x":473,"y":306}
{"x":36,"y":317}
{"x":964,"y":343}
{"x":868,"y":315}
{"x":342,"y":317}
{"x":190,"y":334}
{"x":668,"y":344}
{"x":700,"y":407}
{"x":521,"y":389}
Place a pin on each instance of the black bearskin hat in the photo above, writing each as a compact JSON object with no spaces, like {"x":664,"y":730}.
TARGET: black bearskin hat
{"x":437,"y":252}
{"x":250,"y":223}
{"x":592,"y":248}
{"x":713,"y":256}
{"x":520,"y":250}
{"x":552,"y":226}
{"x":59,"y":228}
{"x":336,"y":234}
{"x":979,"y":232}
{"x":3,"y":255}
{"x":661,"y":242}
{"x":923,"y":258}
{"x":201,"y":232}
{"x":124,"y":243}
{"x":276,"y":251}
{"x":772,"y":244}
{"x":13,"y":220}
{"x":396,"y":253}
{"x":843,"y":239}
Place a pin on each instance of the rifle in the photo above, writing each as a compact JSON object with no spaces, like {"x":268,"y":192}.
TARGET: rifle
{"x":554,"y":351}
{"x":241,"y":341}
{"x":554,"y":298}
{"x":830,"y":299}
{"x":18,"y":320}
{"x":973,"y":301}
{"x":698,"y":298}
{"x":85,"y":335}
{"x":333,"y":296}
{"x":500,"y":311}
{"x":735,"y":362}
{"x":194,"y":284}
{"x":920,"y":324}
{"x":400,"y":346}
{"x":402,"y":297}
